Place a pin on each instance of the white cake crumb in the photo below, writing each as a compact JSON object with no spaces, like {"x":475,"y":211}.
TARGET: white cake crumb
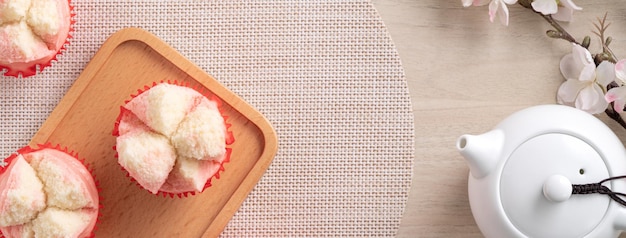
{"x":197,"y":172}
{"x":201,"y":134}
{"x":147,"y":156}
{"x":27,"y":231}
{"x":23,"y":197}
{"x":63,"y":191}
{"x":55,"y":222}
{"x":21,"y":231}
{"x":24,"y":41}
{"x":44,"y":18}
{"x":167,"y":106}
{"x":13,"y":10}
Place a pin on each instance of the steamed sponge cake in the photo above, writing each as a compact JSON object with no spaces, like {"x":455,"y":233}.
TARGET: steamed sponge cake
{"x":32,"y":32}
{"x":171,"y":138}
{"x":47,"y":193}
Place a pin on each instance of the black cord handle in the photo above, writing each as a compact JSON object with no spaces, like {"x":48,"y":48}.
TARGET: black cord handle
{"x":600,"y":189}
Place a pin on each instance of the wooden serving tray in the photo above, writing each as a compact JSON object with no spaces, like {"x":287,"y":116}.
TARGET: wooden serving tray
{"x":84,"y":120}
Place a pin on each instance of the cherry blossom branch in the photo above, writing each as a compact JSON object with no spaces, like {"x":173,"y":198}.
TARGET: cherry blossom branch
{"x":607,"y":54}
{"x":613,"y":95}
{"x":559,"y":32}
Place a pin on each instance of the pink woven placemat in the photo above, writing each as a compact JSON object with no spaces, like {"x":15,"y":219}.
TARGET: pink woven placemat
{"x":325,"y":74}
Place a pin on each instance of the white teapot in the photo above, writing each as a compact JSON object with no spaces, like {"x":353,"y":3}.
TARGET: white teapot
{"x":539,"y":173}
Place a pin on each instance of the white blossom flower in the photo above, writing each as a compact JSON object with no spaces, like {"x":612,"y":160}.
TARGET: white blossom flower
{"x":496,"y":8}
{"x":585,"y":84}
{"x":467,"y":3}
{"x":617,"y":95}
{"x":561,"y":10}
{"x":499,"y":8}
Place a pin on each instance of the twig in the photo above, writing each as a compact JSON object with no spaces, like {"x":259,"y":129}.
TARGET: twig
{"x":558,"y":32}
{"x":615,"y":115}
{"x":562,"y":33}
{"x":601,"y":26}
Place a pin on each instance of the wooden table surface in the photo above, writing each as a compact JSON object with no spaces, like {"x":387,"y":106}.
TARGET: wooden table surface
{"x":465,"y":74}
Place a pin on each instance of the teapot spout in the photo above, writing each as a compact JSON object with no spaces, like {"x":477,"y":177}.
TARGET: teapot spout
{"x":481,"y":152}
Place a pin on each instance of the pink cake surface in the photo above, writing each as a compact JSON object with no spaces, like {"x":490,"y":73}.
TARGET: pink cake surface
{"x":32,"y":32}
{"x":190,"y":132}
{"x":22,"y":196}
{"x":47,"y":193}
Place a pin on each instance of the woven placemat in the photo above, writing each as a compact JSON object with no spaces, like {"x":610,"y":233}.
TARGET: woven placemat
{"x":325,"y":74}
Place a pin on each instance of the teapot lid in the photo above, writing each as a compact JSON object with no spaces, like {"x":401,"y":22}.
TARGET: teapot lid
{"x":535,"y":186}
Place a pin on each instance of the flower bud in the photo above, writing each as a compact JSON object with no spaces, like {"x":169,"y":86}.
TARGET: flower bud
{"x":608,"y":41}
{"x":586,"y":42}
{"x":598,"y":58}
{"x":553,"y":34}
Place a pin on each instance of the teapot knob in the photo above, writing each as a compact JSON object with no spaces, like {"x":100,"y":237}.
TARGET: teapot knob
{"x":557,"y":188}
